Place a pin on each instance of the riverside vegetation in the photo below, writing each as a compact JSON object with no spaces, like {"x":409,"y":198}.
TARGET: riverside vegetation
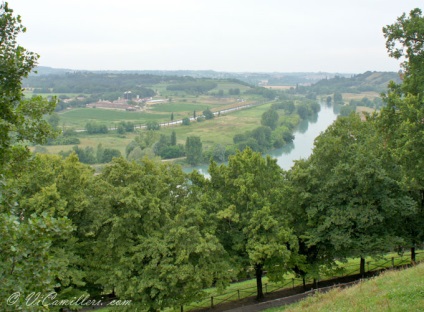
{"x":145,"y":232}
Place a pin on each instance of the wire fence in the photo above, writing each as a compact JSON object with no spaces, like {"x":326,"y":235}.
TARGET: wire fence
{"x":343,"y":271}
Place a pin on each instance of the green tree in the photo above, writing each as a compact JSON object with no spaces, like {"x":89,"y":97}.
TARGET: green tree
{"x":302,"y":111}
{"x":173,"y":138}
{"x":57,"y":189}
{"x":270,"y":119}
{"x":247,"y":204}
{"x":208,"y":114}
{"x":337,"y":98}
{"x":172,"y":116}
{"x":109,"y":154}
{"x":54,"y":120}
{"x":401,"y":120}
{"x":405,"y":39}
{"x":21,"y":119}
{"x":153,"y":125}
{"x":156,"y":245}
{"x":186,"y":121}
{"x":28,"y":262}
{"x":193,"y":148}
{"x":349,"y":193}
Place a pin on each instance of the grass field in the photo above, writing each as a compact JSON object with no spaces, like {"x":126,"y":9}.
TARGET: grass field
{"x":401,"y":290}
{"x":219,"y":130}
{"x":161,"y":112}
{"x":79,"y":117}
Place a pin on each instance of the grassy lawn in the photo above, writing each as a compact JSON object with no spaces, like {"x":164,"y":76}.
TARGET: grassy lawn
{"x":401,"y":290}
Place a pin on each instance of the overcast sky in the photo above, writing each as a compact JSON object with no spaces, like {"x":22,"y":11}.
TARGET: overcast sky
{"x":343,"y":36}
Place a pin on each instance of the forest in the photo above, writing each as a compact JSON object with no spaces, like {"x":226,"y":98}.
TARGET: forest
{"x":147,"y":233}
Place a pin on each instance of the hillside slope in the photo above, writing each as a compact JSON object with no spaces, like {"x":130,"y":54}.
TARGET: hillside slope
{"x":392,"y":291}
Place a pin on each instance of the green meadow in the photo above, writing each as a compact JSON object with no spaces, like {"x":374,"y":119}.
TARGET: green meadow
{"x":79,"y":117}
{"x":219,"y":130}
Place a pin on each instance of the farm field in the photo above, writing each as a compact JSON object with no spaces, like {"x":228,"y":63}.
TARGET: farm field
{"x":219,"y":130}
{"x":78,"y":117}
{"x":181,"y":107}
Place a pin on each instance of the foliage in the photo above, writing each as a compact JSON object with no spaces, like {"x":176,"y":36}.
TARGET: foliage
{"x":266,"y":93}
{"x":21,"y":119}
{"x":125,"y":126}
{"x":100,"y":84}
{"x":156,"y":246}
{"x":95,"y":128}
{"x":28,"y":261}
{"x":208,"y":114}
{"x":186,"y":121}
{"x":405,"y":39}
{"x":253,"y":228}
{"x":307,"y":108}
{"x":270,"y":119}
{"x":193,"y":87}
{"x":52,"y":205}
{"x":401,"y":121}
{"x":193,"y":150}
{"x":365,"y":82}
{"x":346,"y":194}
{"x":63,"y":140}
{"x":153,"y":125}
{"x":287,"y":105}
{"x":167,"y":148}
{"x":88,"y":155}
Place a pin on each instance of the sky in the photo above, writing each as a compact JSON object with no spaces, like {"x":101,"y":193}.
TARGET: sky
{"x":336,"y":36}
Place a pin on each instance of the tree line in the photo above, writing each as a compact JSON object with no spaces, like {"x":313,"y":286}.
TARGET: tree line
{"x":146,"y":232}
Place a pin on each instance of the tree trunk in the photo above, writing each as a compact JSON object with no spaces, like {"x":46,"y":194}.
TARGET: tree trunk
{"x":413,"y":255}
{"x":258,"y":272}
{"x":362,"y":267}
{"x":304,"y":282}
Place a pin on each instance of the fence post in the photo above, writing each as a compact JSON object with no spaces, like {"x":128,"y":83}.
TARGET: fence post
{"x":212,"y":302}
{"x":182,"y":309}
{"x":238,"y":294}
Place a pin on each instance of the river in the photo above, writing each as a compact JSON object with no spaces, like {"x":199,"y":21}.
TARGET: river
{"x":303,"y":143}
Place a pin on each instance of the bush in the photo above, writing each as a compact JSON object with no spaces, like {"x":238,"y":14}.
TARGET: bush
{"x":208,"y":114}
{"x":186,"y":121}
{"x":153,"y":125}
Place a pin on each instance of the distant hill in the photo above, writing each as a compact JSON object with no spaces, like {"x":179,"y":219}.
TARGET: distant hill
{"x":253,"y":78}
{"x":368,"y":81}
{"x":43,"y":70}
